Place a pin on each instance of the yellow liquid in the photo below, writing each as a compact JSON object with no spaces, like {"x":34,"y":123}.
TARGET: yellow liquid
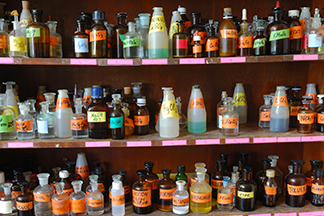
{"x":200,"y":207}
{"x":201,"y":188}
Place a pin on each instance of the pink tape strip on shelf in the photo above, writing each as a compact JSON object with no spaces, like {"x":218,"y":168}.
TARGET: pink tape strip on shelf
{"x":312,"y":138}
{"x":285,"y":214}
{"x":207,"y":141}
{"x":154,"y":61}
{"x":260,"y":214}
{"x":83,"y":61}
{"x":191,"y":61}
{"x":120,"y":62}
{"x":98,"y":144}
{"x":265,"y":140}
{"x":237,"y":140}
{"x":174,"y":142}
{"x":139,"y":143}
{"x":6,"y":60}
{"x":288,"y":139}
{"x":233,"y":59}
{"x":305,"y":57}
{"x":20,"y":144}
{"x":316,"y":213}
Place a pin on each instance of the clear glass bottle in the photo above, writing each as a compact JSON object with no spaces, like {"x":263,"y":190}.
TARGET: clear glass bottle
{"x":132,"y":43}
{"x":197,"y":116}
{"x":50,"y":98}
{"x":305,"y":117}
{"x":246,"y":194}
{"x":117,"y":199}
{"x":95,"y":200}
{"x":295,"y":102}
{"x":141,"y":193}
{"x":244,"y":38}
{"x":126,"y":185}
{"x":17,"y":40}
{"x":32,"y":111}
{"x":98,"y":36}
{"x":264,"y":112}
{"x":86,"y":100}
{"x":94,"y":178}
{"x":269,"y":189}
{"x":179,"y":46}
{"x":317,"y":189}
{"x":60,"y":201}
{"x":279,"y":173}
{"x":173,"y":30}
{"x":228,"y":35}
{"x":315,"y":40}
{"x":311,"y":91}
{"x":212,"y":41}
{"x":240,"y":103}
{"x":117,"y":127}
{"x":25,"y":16}
{"x":63,"y":114}
{"x":6,"y":203}
{"x":4,"y":40}
{"x":310,"y":176}
{"x":43,"y":196}
{"x":308,"y":25}
{"x":197,"y":51}
{"x":180,"y":199}
{"x":78,"y":206}
{"x":279,"y":116}
{"x":304,"y":15}
{"x":24,"y":202}
{"x":55,"y":41}
{"x":166,"y":188}
{"x":24,"y":123}
{"x":182,"y":118}
{"x":46,"y":122}
{"x":141,"y":118}
{"x":295,"y":32}
{"x":153,"y":179}
{"x":221,"y":109}
{"x":194,"y":178}
{"x":143,"y":30}
{"x":158,"y":43}
{"x":79,"y":122}
{"x":118,"y":33}
{"x":7,"y":116}
{"x":230,"y":119}
{"x":225,"y":196}
{"x":261,"y":176}
{"x":232,"y":182}
{"x":81,"y":41}
{"x":197,"y":29}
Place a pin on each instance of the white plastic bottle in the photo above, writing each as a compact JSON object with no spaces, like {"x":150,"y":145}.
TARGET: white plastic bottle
{"x":63,"y":114}
{"x":311,"y":91}
{"x":240,"y":103}
{"x":197,"y":117}
{"x":11,"y":98}
{"x":173,"y":29}
{"x":279,"y":116}
{"x":117,"y":199}
{"x":169,"y":117}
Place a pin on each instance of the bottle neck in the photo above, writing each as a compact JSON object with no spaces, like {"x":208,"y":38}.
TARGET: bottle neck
{"x":297,"y":169}
{"x":166,"y":176}
{"x":121,"y":20}
{"x":246,"y":176}
{"x":149,"y":170}
{"x":266,"y":167}
{"x":244,"y":26}
{"x":295,"y":93}
{"x":314,"y":167}
{"x":59,"y":189}
{"x":37,"y":18}
{"x":230,"y":107}
{"x":277,"y":16}
{"x":141,"y":179}
{"x":24,"y":190}
{"x":260,"y":32}
{"x":220,"y":167}
{"x":78,"y":109}
{"x":179,"y":25}
{"x":306,"y":105}
{"x":196,"y":20}
{"x":80,"y":27}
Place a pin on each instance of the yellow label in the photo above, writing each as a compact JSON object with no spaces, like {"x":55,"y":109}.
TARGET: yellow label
{"x":14,"y":108}
{"x":96,"y":116}
{"x":173,"y":29}
{"x":239,"y":99}
{"x":157,"y":24}
{"x":17,"y":44}
{"x":245,"y":195}
{"x":169,"y":109}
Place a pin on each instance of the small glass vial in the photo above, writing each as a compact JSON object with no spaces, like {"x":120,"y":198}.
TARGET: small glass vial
{"x":6,"y":203}
{"x":225,"y":196}
{"x":55,"y":40}
{"x":117,"y":199}
{"x":166,"y":188}
{"x":117,"y":127}
{"x":50,"y":98}
{"x":197,"y":48}
{"x":7,"y":116}
{"x":95,"y":200}
{"x":43,"y":195}
{"x":79,"y":122}
{"x":180,"y":199}
{"x":230,"y":119}
{"x":264,"y":112}
{"x":46,"y":122}
{"x":25,"y":123}
{"x":126,"y":185}
{"x":153,"y":179}
{"x":132,"y":43}
{"x":98,"y":36}
{"x":180,"y":47}
{"x":317,"y":192}
{"x":60,"y":201}
{"x":141,"y":118}
{"x":78,"y":206}
{"x":246,"y":195}
{"x":4,"y":40}
{"x":270,"y":188}
{"x":17,"y":40}
{"x":81,"y":41}
{"x":141,"y":193}
{"x":24,"y":202}
{"x":305,"y":117}
{"x":232,"y":182}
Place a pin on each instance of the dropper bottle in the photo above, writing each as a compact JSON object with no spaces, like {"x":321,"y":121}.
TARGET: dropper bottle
{"x":17,"y":40}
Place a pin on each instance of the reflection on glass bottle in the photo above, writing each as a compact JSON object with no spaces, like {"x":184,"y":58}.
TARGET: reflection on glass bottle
{"x":78,"y":206}
{"x":246,"y":194}
{"x":264,"y":112}
{"x":228,"y":35}
{"x":131,"y":43}
{"x":180,"y":199}
{"x":43,"y":196}
{"x":46,"y":122}
{"x":305,"y":116}
{"x":166,"y":188}
{"x":25,"y":123}
{"x":153,"y":179}
{"x":225,"y":196}
{"x":310,"y":176}
{"x":24,"y":201}
{"x":118,"y":35}
{"x":180,"y":43}
{"x":4,"y":40}
{"x":79,"y":122}
{"x":81,"y":41}
{"x":141,"y":193}
{"x":295,"y":32}
{"x":317,"y":195}
{"x":17,"y":40}
{"x":269,"y":189}
{"x":98,"y":36}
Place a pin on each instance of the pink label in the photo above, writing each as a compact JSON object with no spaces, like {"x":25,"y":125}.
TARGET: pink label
{"x":20,"y":144}
{"x":288,"y":139}
{"x":182,"y":44}
{"x":265,"y":140}
{"x":120,"y":62}
{"x":285,"y":214}
{"x":260,"y":214}
{"x":305,"y":57}
{"x":174,"y":142}
{"x":238,"y":140}
{"x":192,"y":61}
{"x":317,"y":213}
{"x":312,"y":138}
{"x":97,"y":144}
{"x":139,"y":143}
{"x":83,"y":61}
{"x":207,"y":141}
{"x":154,"y":61}
{"x":6,"y":60}
{"x":233,"y":59}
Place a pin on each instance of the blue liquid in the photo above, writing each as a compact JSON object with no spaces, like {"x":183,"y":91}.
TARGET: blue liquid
{"x":279,"y":125}
{"x":197,"y":127}
{"x":158,"y":53}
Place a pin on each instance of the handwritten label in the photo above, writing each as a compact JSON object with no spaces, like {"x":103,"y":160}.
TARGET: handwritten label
{"x":24,"y":206}
{"x":97,"y":144}
{"x":259,"y":43}
{"x":63,"y":103}
{"x":288,"y":139}
{"x":305,"y":57}
{"x":120,"y":62}
{"x":169,"y":109}
{"x":245,"y":195}
{"x":95,"y":203}
{"x":132,"y":42}
{"x":68,"y":191}
{"x":239,"y":99}
{"x":270,"y":190}
{"x":224,"y":198}
{"x":96,"y":116}
{"x":78,"y":206}
{"x":233,"y":59}
{"x":78,"y":125}
{"x":203,"y":37}
{"x":192,"y":61}
{"x":305,"y":118}
{"x":314,"y":40}
{"x":141,"y":120}
{"x":212,"y":45}
{"x":60,"y":207}
{"x":180,"y":202}
{"x":116,"y":122}
{"x":197,"y":49}
{"x":200,"y":197}
{"x":6,"y":60}
{"x":318,"y":189}
{"x":280,"y":101}
{"x":296,"y":190}
{"x":141,"y":198}
{"x":17,"y":44}
{"x":174,"y":142}
{"x":233,"y":188}
{"x":53,"y":41}
{"x":154,"y":61}
{"x":81,"y":45}
{"x":216,"y":184}
{"x":166,"y":194}
{"x":3,"y":42}
{"x":237,"y":140}
{"x":294,"y":110}
{"x":83,"y":171}
{"x":314,"y":100}
{"x":25,"y":126}
{"x":279,"y":35}
{"x":33,"y":32}
{"x":83,"y":61}
{"x":139,"y":143}
{"x":98,"y":35}
{"x":182,"y":44}
{"x":229,"y":122}
{"x":117,"y":200}
{"x":228,"y":33}
{"x":128,"y":122}
{"x":126,"y":189}
{"x":295,"y":32}
{"x":6,"y":123}
{"x":265,"y":140}
{"x":157,"y":24}
{"x":245,"y":42}
{"x":207,"y":141}
{"x":265,"y":116}
{"x":41,"y":197}
{"x":197,"y":103}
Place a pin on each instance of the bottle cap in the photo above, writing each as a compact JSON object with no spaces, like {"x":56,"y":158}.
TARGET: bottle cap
{"x":182,"y":10}
{"x":223,"y":155}
{"x":148,"y":164}
{"x":25,"y":5}
{"x":246,"y":169}
{"x":228,"y":10}
{"x":281,"y":88}
{"x":196,"y":87}
{"x":121,"y":14}
{"x":117,"y":185}
{"x":311,"y":85}
{"x":200,"y":165}
{"x":180,"y":183}
{"x":266,"y":161}
{"x":292,"y":13}
{"x":96,"y":92}
{"x":175,"y":13}
{"x":37,"y":12}
{"x":297,"y":162}
{"x":141,"y":172}
{"x":244,"y":14}
{"x":166,"y":171}
{"x":235,"y":168}
{"x":319,"y":172}
{"x":64,"y":174}
{"x":122,"y":172}
{"x":181,"y":168}
{"x":127,"y":90}
{"x":141,"y":101}
{"x":93,"y":178}
{"x":98,"y":15}
{"x":270,"y":173}
{"x":2,"y":177}
{"x":315,"y":162}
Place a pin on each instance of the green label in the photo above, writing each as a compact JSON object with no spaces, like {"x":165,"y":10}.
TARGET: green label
{"x":6,"y":123}
{"x":116,"y":122}
{"x":33,"y":32}
{"x":278,"y":35}
{"x":121,"y":38}
{"x":259,"y":43}
{"x":132,"y":42}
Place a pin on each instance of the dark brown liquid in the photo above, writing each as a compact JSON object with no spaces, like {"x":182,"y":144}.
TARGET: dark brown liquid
{"x":118,"y":32}
{"x":258,"y":51}
{"x":98,"y":130}
{"x":141,"y":129}
{"x":179,"y":52}
{"x":246,"y":185}
{"x":310,"y":176}
{"x":216,"y":179}
{"x":196,"y":26}
{"x":245,"y":51}
{"x":269,"y":200}
{"x":153,"y":178}
{"x":302,"y":127}
{"x":260,"y":177}
{"x":295,"y":179}
{"x":25,"y":197}
{"x":99,"y":48}
{"x":227,"y":45}
{"x":142,"y":185}
{"x":295,"y":44}
{"x":317,"y":199}
{"x":167,"y":184}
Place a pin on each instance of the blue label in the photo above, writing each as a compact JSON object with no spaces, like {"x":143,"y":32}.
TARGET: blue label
{"x":116,"y":122}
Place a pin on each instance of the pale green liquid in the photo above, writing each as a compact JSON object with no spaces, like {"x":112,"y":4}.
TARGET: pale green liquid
{"x":158,"y":53}
{"x":197,"y":127}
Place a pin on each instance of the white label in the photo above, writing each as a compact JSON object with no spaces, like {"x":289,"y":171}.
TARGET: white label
{"x":42,"y":127}
{"x":81,"y":45}
{"x":314,"y":40}
{"x":220,"y":122}
{"x":5,"y":207}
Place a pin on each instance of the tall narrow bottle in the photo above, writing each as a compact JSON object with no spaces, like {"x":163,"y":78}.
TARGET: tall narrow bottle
{"x":244,"y":38}
{"x":116,"y":116}
{"x":79,"y":121}
{"x":55,"y":41}
{"x":24,"y":201}
{"x":233,"y":181}
{"x":25,"y":16}
{"x":180,"y":199}
{"x":118,"y":33}
{"x":4,"y":40}
{"x":17,"y":40}
{"x":279,"y":117}
{"x":279,"y":178}
{"x":63,"y":114}
{"x":95,"y":200}
{"x":295,"y":102}
{"x":43,"y":196}
{"x":166,"y":188}
{"x":225,"y":196}
{"x":295,"y":32}
{"x":221,"y":109}
{"x":310,"y":176}
{"x":228,"y":35}
{"x":141,"y":193}
{"x":240,"y":103}
{"x":197,"y":116}
{"x":269,"y":189}
{"x":260,"y":42}
{"x":143,"y":31}
{"x":217,"y":179}
{"x":173,"y":29}
{"x":11,"y":100}
{"x":132,"y":43}
{"x":98,"y":36}
{"x":264,"y":112}
{"x":246,"y":194}
{"x":315,"y":40}
{"x":60,"y":201}
{"x":78,"y":206}
{"x":81,"y":41}
{"x":317,"y":193}
{"x":212,"y":40}
{"x":311,"y":91}
{"x":141,"y":118}
{"x":117,"y":199}
{"x":153,"y":179}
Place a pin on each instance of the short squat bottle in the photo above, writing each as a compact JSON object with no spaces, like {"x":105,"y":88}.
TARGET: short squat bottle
{"x":79,"y":121}
{"x":295,"y":32}
{"x":269,"y":189}
{"x":279,"y":116}
{"x":166,"y":188}
{"x":197,"y":116}
{"x":6,"y":205}
{"x":98,"y":36}
{"x":305,"y":117}
{"x":60,"y":201}
{"x":317,"y":192}
{"x":197,"y":51}
{"x":141,"y":118}
{"x":230,"y":119}
{"x":180,"y":199}
{"x":81,"y":41}
{"x":95,"y":200}
{"x":46,"y":122}
{"x":264,"y":112}
{"x":141,"y":193}
{"x":43,"y":196}
{"x":225,"y":196}
{"x":246,"y":194}
{"x":25,"y":123}
{"x":24,"y":202}
{"x":78,"y":206}
{"x":132,"y":43}
{"x":117,"y":199}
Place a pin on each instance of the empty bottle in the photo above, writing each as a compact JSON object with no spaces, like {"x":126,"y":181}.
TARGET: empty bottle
{"x":25,"y":123}
{"x":43,"y":196}
{"x":143,"y":30}
{"x":225,"y":196}
{"x":63,"y":114}
{"x":315,"y":40}
{"x":60,"y":201}
{"x":311,"y":91}
{"x":17,"y":40}
{"x":264,"y":112}
{"x":197,"y":117}
{"x":269,"y":189}
{"x":279,"y":116}
{"x":240,"y":103}
{"x":78,"y":206}
{"x":132,"y":43}
{"x":317,"y":193}
{"x":95,"y":200}
{"x":79,"y":122}
{"x":180,"y":199}
{"x":117,"y":199}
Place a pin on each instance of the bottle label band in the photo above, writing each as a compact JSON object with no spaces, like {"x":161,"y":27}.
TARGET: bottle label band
{"x":197,"y":103}
{"x":154,"y":184}
{"x":224,"y":199}
{"x":98,"y":117}
{"x":86,"y":100}
{"x":53,"y":41}
{"x":60,"y":207}
{"x":157,"y":24}
{"x":180,"y":202}
{"x":182,"y":44}
{"x":216,"y":184}
{"x":265,"y":116}
{"x":141,"y":120}
{"x":229,"y":122}
{"x":41,"y":197}
{"x":200,"y":197}
{"x":68,"y":191}
{"x":318,"y":189}
{"x":128,"y":122}
{"x":117,"y":200}
{"x":280,"y":101}
{"x":33,"y":32}
{"x":83,"y":171}
{"x":314,"y":100}
{"x":239,"y":99}
{"x":245,"y":42}
{"x":294,"y":110}
{"x":25,"y":126}
{"x":3,"y":42}
{"x":270,"y":190}
{"x":296,"y":190}
{"x":259,"y":43}
{"x":78,"y":125}
{"x":295,"y":32}
{"x":132,"y":42}
{"x":305,"y":118}
{"x":320,"y":118}
{"x":78,"y":206}
{"x":197,"y":49}
{"x":142,"y":198}
{"x":245,"y":195}
{"x":17,"y":44}
{"x":126,"y":189}
{"x":173,"y":29}
{"x":63,"y":103}
{"x":24,"y":206}
{"x":166,"y":194}
{"x":212,"y":45}
{"x":81,"y":45}
{"x":101,"y":187}
{"x":169,"y":109}
{"x":228,"y":33}
{"x":98,"y":35}
{"x":116,"y":122}
{"x":6,"y":123}
{"x":279,"y":35}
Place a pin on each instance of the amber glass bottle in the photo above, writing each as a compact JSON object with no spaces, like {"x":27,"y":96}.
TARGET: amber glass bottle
{"x":317,"y":195}
{"x":305,"y":117}
{"x":166,"y":188}
{"x":310,"y":176}
{"x":296,"y":185}
{"x":196,"y":26}
{"x":228,"y":35}
{"x":126,"y":185}
{"x":295,"y":32}
{"x":320,"y":115}
{"x":153,"y":179}
{"x":197,"y":47}
{"x":212,"y":41}
{"x":246,"y":194}
{"x":141,"y":193}
{"x":227,"y":169}
{"x":217,"y":179}
{"x":81,"y":41}
{"x":295,"y":102}
{"x":260,"y":42}
{"x":118,"y":34}
{"x":98,"y":36}
{"x":180,"y":42}
{"x":269,"y":189}
{"x":117,"y":127}
{"x":16,"y":182}
{"x":141,"y":118}
{"x":244,"y":38}
{"x":261,"y":176}
{"x":24,"y":202}
{"x":38,"y":37}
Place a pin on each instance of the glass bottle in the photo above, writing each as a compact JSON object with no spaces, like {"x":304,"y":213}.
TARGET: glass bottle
{"x":43,"y":196}
{"x":296,"y":185}
{"x":50,"y":98}
{"x":317,"y":189}
{"x":173,"y":29}
{"x":278,"y":33}
{"x":55,"y":177}
{"x":86,"y":100}
{"x":197,"y":46}
{"x":118,"y":33}
{"x":141,"y":193}
{"x":183,"y":14}
{"x":25,"y":123}
{"x":295,"y":32}
{"x":305,"y":117}
{"x":101,"y":182}
{"x":128,"y":122}
{"x":295,"y":102}
{"x":32,"y":111}
{"x":304,"y":15}
{"x":6,"y":203}
{"x":4,"y":40}
{"x":308,"y":25}
{"x":261,"y":176}
{"x":310,"y":176}
{"x":11,"y":100}
{"x":141,"y":118}
{"x":70,"y":166}
{"x":158,"y":43}
{"x":227,"y":168}
{"x":60,"y":201}
{"x":181,"y":175}
{"x":126,"y":185}
{"x":315,"y":40}
{"x":240,"y":103}
{"x":166,"y":188}
{"x":81,"y":41}
{"x":55,"y":40}
{"x":212,"y":41}
{"x":16,"y":184}
{"x":180,"y":43}
{"x":95,"y":200}
{"x":311,"y":91}
{"x":40,"y":96}
{"x":230,"y":119}
{"x":143,"y":30}
{"x":46,"y":122}
{"x":180,"y":199}
{"x":78,"y":206}
{"x":117,"y":199}
{"x":25,"y":16}
{"x":192,"y":31}
{"x":63,"y":114}
{"x":17,"y":40}
{"x":24,"y":202}
{"x":82,"y":167}
{"x":233,"y":181}
{"x":87,"y":19}
{"x":217,"y":179}
{"x":153,"y":179}
{"x":246,"y":194}
{"x":98,"y":36}
{"x":115,"y":177}
{"x":182,"y":118}
{"x":221,"y":109}
{"x":279,"y":116}
{"x":225,"y":196}
{"x":136,"y":94}
{"x":7,"y":116}
{"x":264,"y":112}
{"x":116,"y":116}
{"x":64,"y":178}
{"x":201,"y":194}
{"x":244,"y":38}
{"x":94,"y":178}
{"x":132,"y":43}
{"x":269,"y":189}
{"x":38,"y":37}
{"x":228,"y":35}
{"x":97,"y":115}
{"x":194,"y":178}
{"x":79,"y":123}
{"x":197,"y":116}
{"x":279,"y":173}
{"x":260,"y":42}
{"x":319,"y":114}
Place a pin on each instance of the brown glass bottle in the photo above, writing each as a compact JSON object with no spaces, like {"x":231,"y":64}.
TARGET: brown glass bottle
{"x":183,"y":14}
{"x":310,"y":176}
{"x":228,"y":35}
{"x":81,"y":41}
{"x":102,"y":182}
{"x":142,"y":118}
{"x":141,"y":193}
{"x":212,"y":41}
{"x":261,"y":176}
{"x":166,"y":188}
{"x":296,"y":185}
{"x":305,"y":117}
{"x":16,"y":182}
{"x":239,"y":164}
{"x":320,"y":116}
{"x":117,"y":35}
{"x":246,"y":194}
{"x":191,"y":30}
{"x":127,"y":95}
{"x":87,"y":19}
{"x":260,"y":42}
{"x":24,"y":201}
{"x":70,"y":166}
{"x":227,"y":168}
{"x":153,"y":179}
{"x":180,"y":42}
{"x":197,"y":47}
{"x":126,"y":185}
{"x":117,"y":127}
{"x":97,"y":115}
{"x":217,"y":178}
{"x":64,"y":175}
{"x":55,"y":177}
{"x":244,"y":38}
{"x":98,"y":36}
{"x":295,"y":102}
{"x":38,"y":37}
{"x":317,"y":194}
{"x":269,"y":189}
{"x":295,"y":32}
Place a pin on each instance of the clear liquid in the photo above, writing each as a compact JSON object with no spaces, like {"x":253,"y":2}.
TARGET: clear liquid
{"x":62,"y":121}
{"x":25,"y":135}
{"x":242,"y":111}
{"x":118,"y":210}
{"x":132,"y":52}
{"x":8,"y":136}
{"x":279,"y":125}
{"x":95,"y":210}
{"x":18,"y":54}
{"x":197,"y":127}
{"x":81,"y":134}
{"x":169,"y":128}
{"x":49,"y":135}
{"x":43,"y":208}
{"x":158,"y":53}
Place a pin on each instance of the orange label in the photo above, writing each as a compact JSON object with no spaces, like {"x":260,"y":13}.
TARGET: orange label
{"x":295,"y":32}
{"x":78,"y":206}
{"x":200,"y":197}
{"x":233,"y":188}
{"x":78,"y":125}
{"x":33,"y":177}
{"x":154,"y":184}
{"x":265,"y":116}
{"x":294,"y":110}
{"x":309,"y":181}
{"x":83,"y":171}
{"x":166,"y":194}
{"x":24,"y":206}
{"x":221,"y":110}
{"x":197,"y":103}
{"x":228,"y":33}
{"x":314,"y":101}
{"x":86,"y":100}
{"x":296,"y":190}
{"x":95,"y":202}
{"x":224,"y":198}
{"x":3,"y":42}
{"x":305,"y":118}
{"x":87,"y":31}
{"x":98,"y":35}
{"x":39,"y":99}
{"x":245,"y":42}
{"x":117,"y":200}
{"x":318,"y":189}
{"x":68,"y":191}
{"x":197,"y":49}
{"x":60,"y":206}
{"x":101,"y":187}
{"x":141,"y":120}
{"x":53,"y":41}
{"x":303,"y":23}
{"x":180,"y":202}
{"x":229,"y":122}
{"x":203,"y":37}
{"x":63,"y":103}
{"x":320,"y":118}
{"x":216,"y":184}
{"x":270,"y":190}
{"x":142,"y":198}
{"x":127,"y":189}
{"x":41,"y":197}
{"x":280,"y":101}
{"x":128,"y":122}
{"x":212,"y":45}
{"x":24,"y":126}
